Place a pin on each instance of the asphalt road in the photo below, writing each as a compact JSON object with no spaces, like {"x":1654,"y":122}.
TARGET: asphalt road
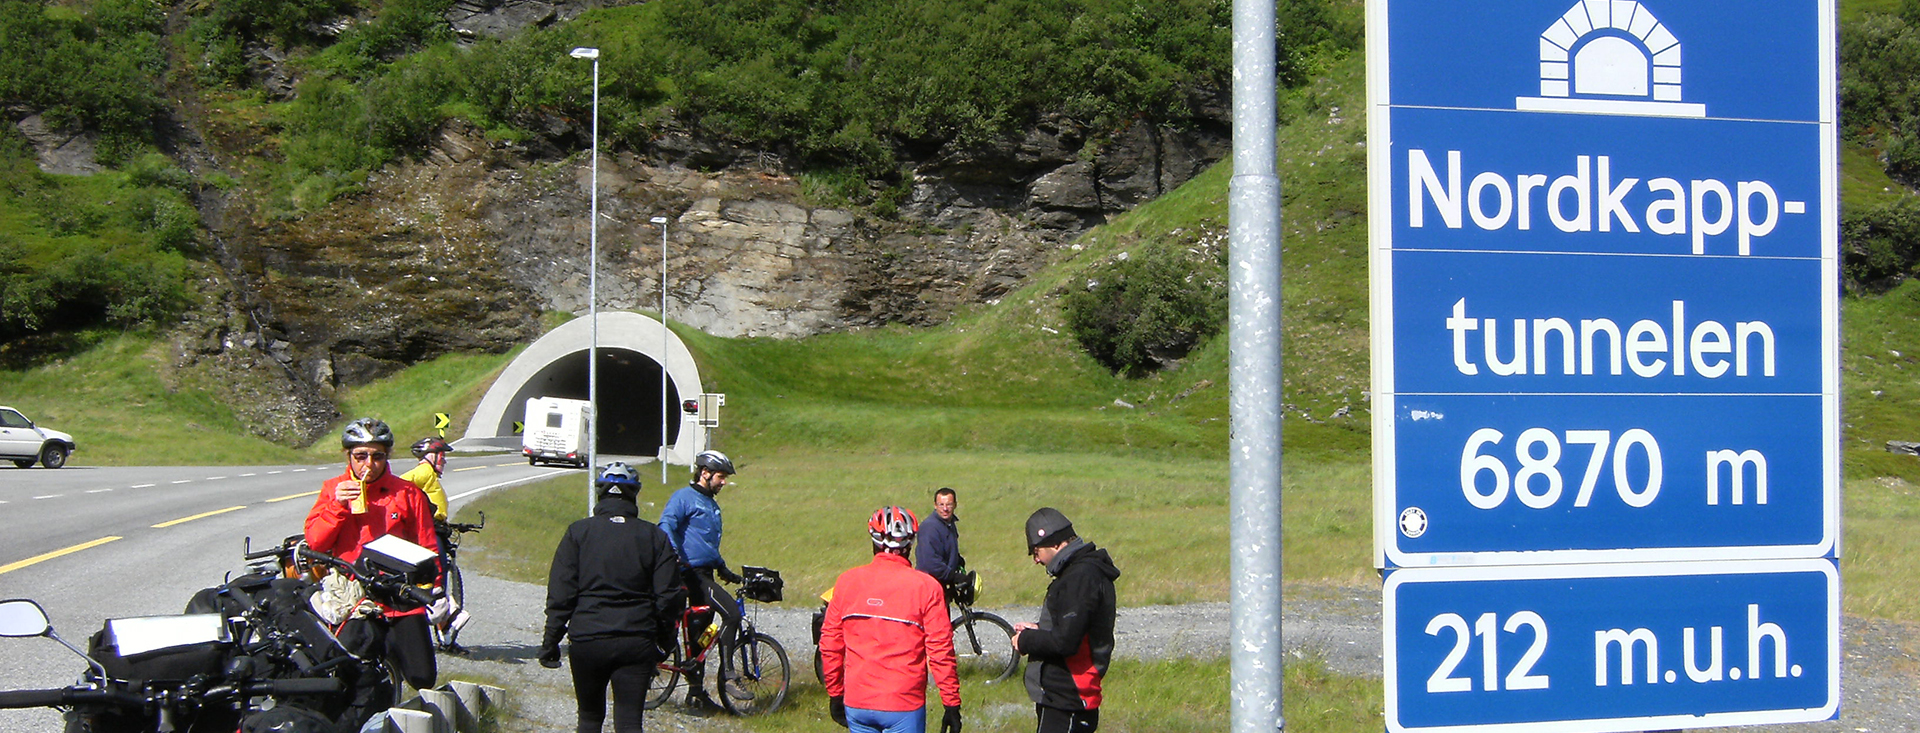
{"x":92,"y":543}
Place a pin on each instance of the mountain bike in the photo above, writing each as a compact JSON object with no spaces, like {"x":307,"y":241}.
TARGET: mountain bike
{"x":755,"y":673}
{"x":982,"y":641}
{"x":447,"y":622}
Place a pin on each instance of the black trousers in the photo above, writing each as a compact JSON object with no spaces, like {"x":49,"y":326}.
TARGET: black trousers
{"x":405,"y":641}
{"x":703,"y":590}
{"x":627,"y":663}
{"x":1055,"y":720}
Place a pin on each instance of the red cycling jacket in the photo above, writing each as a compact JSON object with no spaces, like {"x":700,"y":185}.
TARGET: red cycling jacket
{"x":394,"y":507}
{"x":886,"y":630}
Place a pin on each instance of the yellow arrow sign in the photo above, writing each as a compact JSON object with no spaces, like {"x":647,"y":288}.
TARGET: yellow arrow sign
{"x":519,"y":427}
{"x":441,"y":421}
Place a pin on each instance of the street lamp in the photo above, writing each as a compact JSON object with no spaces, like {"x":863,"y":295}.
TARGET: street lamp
{"x":665,"y":405}
{"x":593,"y":284}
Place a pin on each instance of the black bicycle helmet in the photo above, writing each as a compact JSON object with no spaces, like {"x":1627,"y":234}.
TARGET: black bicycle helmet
{"x":364,"y":431}
{"x":712,"y":460}
{"x":430,"y":445}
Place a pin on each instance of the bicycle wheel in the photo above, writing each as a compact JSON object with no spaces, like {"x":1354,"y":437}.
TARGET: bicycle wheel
{"x":983,"y":647}
{"x":761,"y":672}
{"x":456,"y":585}
{"x":665,"y":678}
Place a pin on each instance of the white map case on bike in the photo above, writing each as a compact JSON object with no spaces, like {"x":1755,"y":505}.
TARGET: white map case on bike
{"x":143,"y":634}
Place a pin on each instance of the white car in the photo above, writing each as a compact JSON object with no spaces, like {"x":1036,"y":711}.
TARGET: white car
{"x":24,"y":443}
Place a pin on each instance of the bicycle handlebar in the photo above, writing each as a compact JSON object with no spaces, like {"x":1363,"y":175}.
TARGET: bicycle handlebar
{"x":68,"y":696}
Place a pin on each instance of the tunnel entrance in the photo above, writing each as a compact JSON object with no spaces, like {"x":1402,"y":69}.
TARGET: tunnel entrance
{"x":632,"y":349}
{"x":630,"y":404}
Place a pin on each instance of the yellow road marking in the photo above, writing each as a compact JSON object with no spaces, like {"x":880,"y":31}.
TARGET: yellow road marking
{"x":294,"y":496}
{"x":498,"y":465}
{"x":469,"y":468}
{"x":10,"y":567}
{"x":183,"y":520}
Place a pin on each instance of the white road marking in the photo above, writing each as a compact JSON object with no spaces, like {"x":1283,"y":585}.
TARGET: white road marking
{"x":216,"y":478}
{"x":50,"y":496}
{"x":184,"y":481}
{"x":244,"y":475}
{"x":299,"y":470}
{"x":465,"y":494}
{"x":96,"y":491}
{"x":141,"y":486}
{"x":274,"y":473}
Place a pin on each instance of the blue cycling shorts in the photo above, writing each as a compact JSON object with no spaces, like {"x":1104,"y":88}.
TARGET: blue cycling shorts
{"x":880,"y":721}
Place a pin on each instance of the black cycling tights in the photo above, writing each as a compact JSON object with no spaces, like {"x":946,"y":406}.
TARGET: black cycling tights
{"x":628,"y":663}
{"x":1055,"y":720}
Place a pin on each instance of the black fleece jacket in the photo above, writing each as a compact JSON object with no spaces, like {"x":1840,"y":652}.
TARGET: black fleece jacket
{"x":614,"y":574}
{"x":1067,"y":656}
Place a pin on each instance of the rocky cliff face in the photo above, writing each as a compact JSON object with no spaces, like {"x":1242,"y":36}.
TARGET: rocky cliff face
{"x":748,"y":255}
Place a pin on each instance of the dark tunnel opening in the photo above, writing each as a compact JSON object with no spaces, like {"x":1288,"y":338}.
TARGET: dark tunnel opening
{"x":630,"y":404}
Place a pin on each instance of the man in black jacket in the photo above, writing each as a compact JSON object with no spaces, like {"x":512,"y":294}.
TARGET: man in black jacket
{"x":615,"y":591}
{"x":1068,"y":650}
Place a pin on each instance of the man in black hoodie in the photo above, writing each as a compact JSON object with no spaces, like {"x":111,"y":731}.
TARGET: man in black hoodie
{"x":615,"y":590}
{"x":1068,"y":650}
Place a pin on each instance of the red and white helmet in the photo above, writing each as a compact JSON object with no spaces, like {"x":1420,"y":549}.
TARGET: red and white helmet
{"x":893,"y":527}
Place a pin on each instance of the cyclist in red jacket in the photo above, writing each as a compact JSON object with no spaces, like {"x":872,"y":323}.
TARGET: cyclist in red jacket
{"x":885,"y":631}
{"x":363,"y":505}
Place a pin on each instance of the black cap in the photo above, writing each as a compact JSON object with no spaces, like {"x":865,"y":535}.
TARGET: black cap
{"x":1044,"y":525}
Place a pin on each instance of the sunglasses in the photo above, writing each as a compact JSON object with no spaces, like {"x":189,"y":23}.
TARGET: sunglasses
{"x":366,"y":456}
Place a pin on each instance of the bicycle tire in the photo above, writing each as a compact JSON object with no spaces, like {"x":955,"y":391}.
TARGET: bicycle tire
{"x":764,"y":674}
{"x":665,"y":677}
{"x":983,"y":654}
{"x":456,"y":585}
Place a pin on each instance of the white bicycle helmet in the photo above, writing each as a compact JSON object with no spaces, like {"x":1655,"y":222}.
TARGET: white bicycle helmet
{"x":893,"y":527}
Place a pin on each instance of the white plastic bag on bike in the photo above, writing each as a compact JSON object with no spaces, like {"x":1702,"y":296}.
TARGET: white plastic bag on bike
{"x":340,"y":596}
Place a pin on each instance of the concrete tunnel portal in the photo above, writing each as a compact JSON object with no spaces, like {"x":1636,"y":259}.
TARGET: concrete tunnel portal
{"x":632,"y":350}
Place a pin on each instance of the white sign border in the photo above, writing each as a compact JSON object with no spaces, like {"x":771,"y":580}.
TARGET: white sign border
{"x":1380,"y":181}
{"x":1403,"y":576}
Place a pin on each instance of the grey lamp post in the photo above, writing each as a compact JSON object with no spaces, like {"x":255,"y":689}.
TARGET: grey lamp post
{"x":665,"y":408}
{"x":593,"y":284}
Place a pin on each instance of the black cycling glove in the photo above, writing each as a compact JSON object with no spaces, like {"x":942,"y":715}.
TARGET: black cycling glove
{"x":950,"y":723}
{"x":550,"y":657}
{"x":837,"y":709}
{"x":727,"y":575}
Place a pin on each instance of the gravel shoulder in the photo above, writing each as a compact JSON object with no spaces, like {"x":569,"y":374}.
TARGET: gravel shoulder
{"x":1339,"y":626}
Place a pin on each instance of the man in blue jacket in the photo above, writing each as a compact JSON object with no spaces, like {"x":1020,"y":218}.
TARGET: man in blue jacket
{"x":691,"y":520}
{"x":939,"y":551}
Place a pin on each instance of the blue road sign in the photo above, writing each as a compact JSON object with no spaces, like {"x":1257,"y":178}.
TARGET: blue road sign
{"x":1605,"y":281}
{"x":1617,"y":647}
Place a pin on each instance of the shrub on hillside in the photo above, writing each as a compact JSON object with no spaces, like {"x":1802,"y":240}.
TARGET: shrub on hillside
{"x":1882,"y":244}
{"x":1146,"y":309}
{"x":98,"y":70}
{"x":78,"y":253}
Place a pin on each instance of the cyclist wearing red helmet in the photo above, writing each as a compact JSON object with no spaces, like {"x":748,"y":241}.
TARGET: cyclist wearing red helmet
{"x":432,"y":453}
{"x":885,"y":631}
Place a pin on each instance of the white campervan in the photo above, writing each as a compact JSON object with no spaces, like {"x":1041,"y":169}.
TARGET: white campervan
{"x":556,"y":431}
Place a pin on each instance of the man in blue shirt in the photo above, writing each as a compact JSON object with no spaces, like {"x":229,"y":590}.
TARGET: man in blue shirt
{"x":691,"y":520}
{"x":939,"y":551}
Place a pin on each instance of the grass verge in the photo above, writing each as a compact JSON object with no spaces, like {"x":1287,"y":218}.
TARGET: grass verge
{"x":804,"y":514}
{"x":1162,"y":696}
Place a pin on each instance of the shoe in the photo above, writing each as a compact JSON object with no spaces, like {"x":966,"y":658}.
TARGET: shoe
{"x":735,"y":690}
{"x":460,"y":619}
{"x":701,"y":706}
